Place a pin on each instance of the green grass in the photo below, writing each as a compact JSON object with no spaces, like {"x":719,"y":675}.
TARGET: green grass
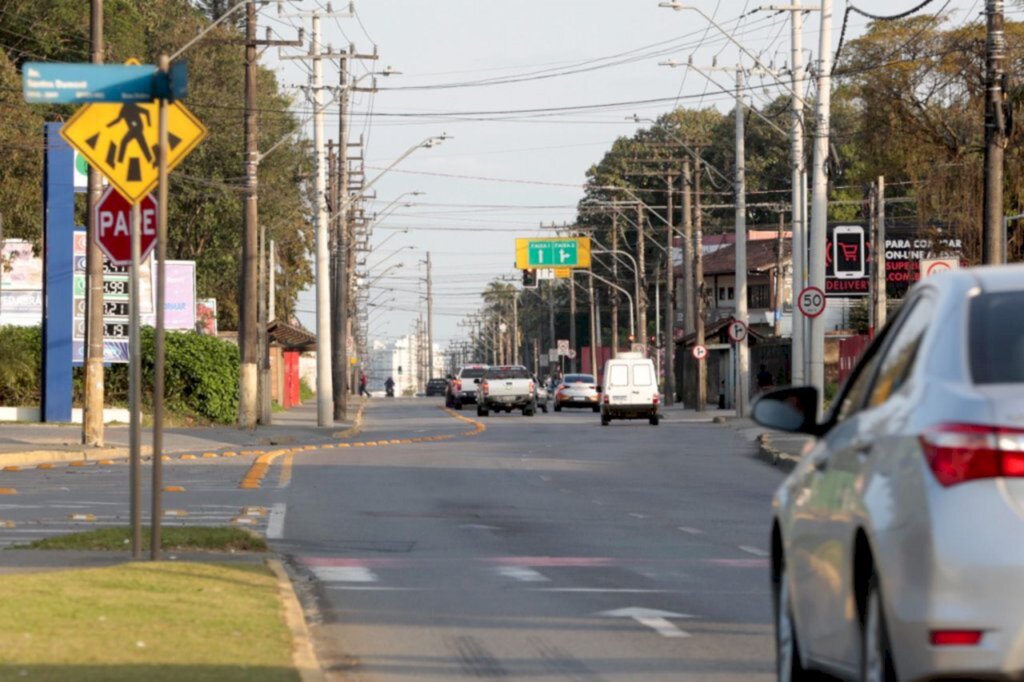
{"x":145,"y":621}
{"x":306,"y":392}
{"x":180,"y":538}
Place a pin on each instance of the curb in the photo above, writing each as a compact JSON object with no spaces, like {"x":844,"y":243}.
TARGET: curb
{"x":766,"y":452}
{"x":303,"y":653}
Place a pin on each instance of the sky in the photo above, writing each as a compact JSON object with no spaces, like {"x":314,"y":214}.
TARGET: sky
{"x":505,"y":171}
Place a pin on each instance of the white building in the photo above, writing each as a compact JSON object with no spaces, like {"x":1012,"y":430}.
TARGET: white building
{"x":404,"y":361}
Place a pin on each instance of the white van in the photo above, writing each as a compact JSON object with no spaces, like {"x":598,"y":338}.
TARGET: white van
{"x":629,"y":389}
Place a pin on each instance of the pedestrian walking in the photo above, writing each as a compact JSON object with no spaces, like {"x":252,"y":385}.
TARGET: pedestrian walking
{"x":362,"y":385}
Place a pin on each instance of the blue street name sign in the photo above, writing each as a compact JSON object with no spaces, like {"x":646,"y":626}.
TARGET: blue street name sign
{"x":61,"y":83}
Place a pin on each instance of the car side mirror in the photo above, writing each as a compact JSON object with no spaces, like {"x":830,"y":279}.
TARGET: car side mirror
{"x":794,"y":409}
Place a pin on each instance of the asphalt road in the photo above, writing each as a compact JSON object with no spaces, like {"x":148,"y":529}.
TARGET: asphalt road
{"x":545,"y":548}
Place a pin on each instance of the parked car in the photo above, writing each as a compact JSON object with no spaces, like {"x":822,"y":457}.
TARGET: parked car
{"x":896,"y":547}
{"x":630,"y":389}
{"x":506,"y":387}
{"x":462,"y":388}
{"x":542,"y":395}
{"x":577,"y":390}
{"x":436,"y":387}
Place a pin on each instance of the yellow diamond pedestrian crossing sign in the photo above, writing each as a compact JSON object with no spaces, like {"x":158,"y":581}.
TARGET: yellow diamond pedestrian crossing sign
{"x":120,"y":141}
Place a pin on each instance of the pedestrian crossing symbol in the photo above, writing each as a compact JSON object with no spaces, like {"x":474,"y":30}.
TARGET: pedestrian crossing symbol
{"x":120,"y":141}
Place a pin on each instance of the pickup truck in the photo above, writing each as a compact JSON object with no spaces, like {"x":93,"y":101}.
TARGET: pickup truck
{"x":506,"y":387}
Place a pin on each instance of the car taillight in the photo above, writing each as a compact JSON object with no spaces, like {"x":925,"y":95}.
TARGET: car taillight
{"x":963,"y":452}
{"x":657,"y":398}
{"x":607,"y":399}
{"x":483,"y":387}
{"x":531,"y":387}
{"x":956,"y":637}
{"x":458,"y":384}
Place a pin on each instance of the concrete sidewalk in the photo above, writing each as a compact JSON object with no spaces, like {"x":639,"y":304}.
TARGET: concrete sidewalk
{"x":24,"y":444}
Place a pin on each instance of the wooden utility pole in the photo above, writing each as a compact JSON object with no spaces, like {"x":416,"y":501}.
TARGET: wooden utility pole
{"x":780,"y":279}
{"x":878,"y":259}
{"x":996,"y":126}
{"x":92,"y":418}
{"x":572,"y":319}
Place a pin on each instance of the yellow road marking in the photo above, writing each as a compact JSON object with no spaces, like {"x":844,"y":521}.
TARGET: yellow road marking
{"x":174,"y":489}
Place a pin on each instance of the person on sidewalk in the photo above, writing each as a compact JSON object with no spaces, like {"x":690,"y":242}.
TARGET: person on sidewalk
{"x":389,"y":387}
{"x":362,"y":385}
{"x":765,"y":381}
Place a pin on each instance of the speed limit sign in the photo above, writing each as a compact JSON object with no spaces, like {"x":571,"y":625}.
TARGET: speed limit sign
{"x":737,"y":331}
{"x":811,"y":301}
{"x":700,"y":352}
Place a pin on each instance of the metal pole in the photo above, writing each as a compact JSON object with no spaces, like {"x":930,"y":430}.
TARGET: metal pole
{"x":993,"y":226}
{"x":698,"y":290}
{"x":689,"y":325}
{"x":742,"y":383}
{"x":515,"y":328}
{"x":615,"y":276}
{"x":158,"y":362}
{"x":572,"y":318}
{"x":879,"y":257}
{"x":668,"y":343}
{"x":641,"y":279}
{"x":272,"y":283}
{"x":594,"y":332}
{"x":324,"y":383}
{"x":248,"y":321}
{"x":819,"y":197}
{"x":92,"y":418}
{"x":430,"y":325}
{"x":799,"y":228}
{"x":135,"y":390}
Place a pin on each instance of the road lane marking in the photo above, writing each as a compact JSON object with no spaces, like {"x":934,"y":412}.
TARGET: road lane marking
{"x":691,"y":531}
{"x":606,"y":590}
{"x":372,"y":588}
{"x":522,"y":574}
{"x":344,"y":574}
{"x":275,"y":524}
{"x":638,"y":516}
{"x":753,"y":550}
{"x":285,"y":479}
{"x":652,"y":618}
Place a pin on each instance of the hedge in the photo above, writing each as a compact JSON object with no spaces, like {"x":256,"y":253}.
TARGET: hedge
{"x":201,"y":377}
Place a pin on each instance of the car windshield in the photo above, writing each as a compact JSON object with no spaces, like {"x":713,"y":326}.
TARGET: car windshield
{"x":507,"y":373}
{"x":579,"y":379}
{"x":472,"y":373}
{"x":997,"y":338}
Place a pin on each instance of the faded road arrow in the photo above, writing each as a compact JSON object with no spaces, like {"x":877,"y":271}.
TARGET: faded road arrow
{"x":653,"y":618}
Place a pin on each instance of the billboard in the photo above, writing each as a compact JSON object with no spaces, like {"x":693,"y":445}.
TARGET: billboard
{"x":849,"y":252}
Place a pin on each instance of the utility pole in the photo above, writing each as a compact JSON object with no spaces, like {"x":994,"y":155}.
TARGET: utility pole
{"x":430,"y":323}
{"x":253,"y":380}
{"x":878,"y":261}
{"x":669,"y":343}
{"x":742,"y":350}
{"x":819,"y":197}
{"x":698,"y":290}
{"x":272,"y":282}
{"x":780,"y":280}
{"x":615,"y":276}
{"x":572,"y":320}
{"x":641,"y":278}
{"x":551,"y":313}
{"x":689,"y":326}
{"x":324,"y":378}
{"x":594,"y":331}
{"x":92,"y":418}
{"x":996,"y":128}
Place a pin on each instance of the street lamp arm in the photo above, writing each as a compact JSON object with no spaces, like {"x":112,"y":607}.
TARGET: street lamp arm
{"x":632,"y":322}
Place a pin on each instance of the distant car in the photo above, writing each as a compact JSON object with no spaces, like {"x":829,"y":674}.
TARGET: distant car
{"x":630,"y":389}
{"x":577,"y":390}
{"x":462,"y":388}
{"x":506,"y":388}
{"x":896,"y":547}
{"x":436,"y":387}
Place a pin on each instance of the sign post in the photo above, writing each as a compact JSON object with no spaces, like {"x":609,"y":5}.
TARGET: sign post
{"x":114,"y":216}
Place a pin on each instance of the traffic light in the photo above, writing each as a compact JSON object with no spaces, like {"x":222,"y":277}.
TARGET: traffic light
{"x":529,"y":279}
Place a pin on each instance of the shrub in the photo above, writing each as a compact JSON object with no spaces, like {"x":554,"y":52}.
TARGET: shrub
{"x":305,"y":391}
{"x":21,"y":352}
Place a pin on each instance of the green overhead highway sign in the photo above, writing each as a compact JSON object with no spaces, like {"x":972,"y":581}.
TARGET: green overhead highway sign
{"x":573,"y":252}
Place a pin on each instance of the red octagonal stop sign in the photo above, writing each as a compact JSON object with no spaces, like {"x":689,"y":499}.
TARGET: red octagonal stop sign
{"x":113,"y":215}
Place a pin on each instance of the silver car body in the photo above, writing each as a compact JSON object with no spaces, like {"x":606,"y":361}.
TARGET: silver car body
{"x":577,"y":390}
{"x":865,"y":506}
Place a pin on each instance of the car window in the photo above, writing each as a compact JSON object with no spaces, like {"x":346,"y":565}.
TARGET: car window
{"x":618,"y":376}
{"x":642,"y":375}
{"x":508,"y":373}
{"x":472,"y":373}
{"x":900,"y":354}
{"x":579,"y":379}
{"x":997,"y":338}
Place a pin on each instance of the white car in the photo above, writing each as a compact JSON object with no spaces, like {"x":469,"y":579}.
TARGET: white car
{"x":897,"y":548}
{"x":630,"y":390}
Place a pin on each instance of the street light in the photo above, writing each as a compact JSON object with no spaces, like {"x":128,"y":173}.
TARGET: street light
{"x":388,"y":256}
